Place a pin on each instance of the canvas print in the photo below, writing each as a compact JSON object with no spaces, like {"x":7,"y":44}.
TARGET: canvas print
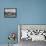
{"x":33,"y":32}
{"x":32,"y":35}
{"x":10,"y":12}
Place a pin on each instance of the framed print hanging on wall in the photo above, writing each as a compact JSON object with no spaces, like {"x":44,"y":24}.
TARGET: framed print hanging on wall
{"x":10,"y":12}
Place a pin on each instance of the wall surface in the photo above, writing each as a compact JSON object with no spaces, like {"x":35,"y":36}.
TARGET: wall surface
{"x":28,"y":12}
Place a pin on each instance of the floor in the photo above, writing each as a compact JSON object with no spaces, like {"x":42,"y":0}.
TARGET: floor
{"x":7,"y":45}
{"x":30,"y":43}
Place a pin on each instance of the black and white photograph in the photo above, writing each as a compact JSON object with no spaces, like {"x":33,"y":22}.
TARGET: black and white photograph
{"x":31,"y":34}
{"x":10,"y":12}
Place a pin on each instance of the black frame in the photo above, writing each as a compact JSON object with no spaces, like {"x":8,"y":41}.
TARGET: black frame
{"x":7,"y":16}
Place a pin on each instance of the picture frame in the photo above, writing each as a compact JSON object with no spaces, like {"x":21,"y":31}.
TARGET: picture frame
{"x":10,"y":12}
{"x":33,"y":29}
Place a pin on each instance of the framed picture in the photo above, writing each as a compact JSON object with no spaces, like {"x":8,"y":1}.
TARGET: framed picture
{"x":33,"y":32}
{"x":10,"y":12}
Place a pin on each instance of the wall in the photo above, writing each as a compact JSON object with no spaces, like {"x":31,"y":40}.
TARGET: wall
{"x":33,"y":12}
{"x":28,"y":12}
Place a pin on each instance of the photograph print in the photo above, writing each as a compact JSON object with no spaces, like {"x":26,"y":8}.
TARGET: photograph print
{"x":10,"y":12}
